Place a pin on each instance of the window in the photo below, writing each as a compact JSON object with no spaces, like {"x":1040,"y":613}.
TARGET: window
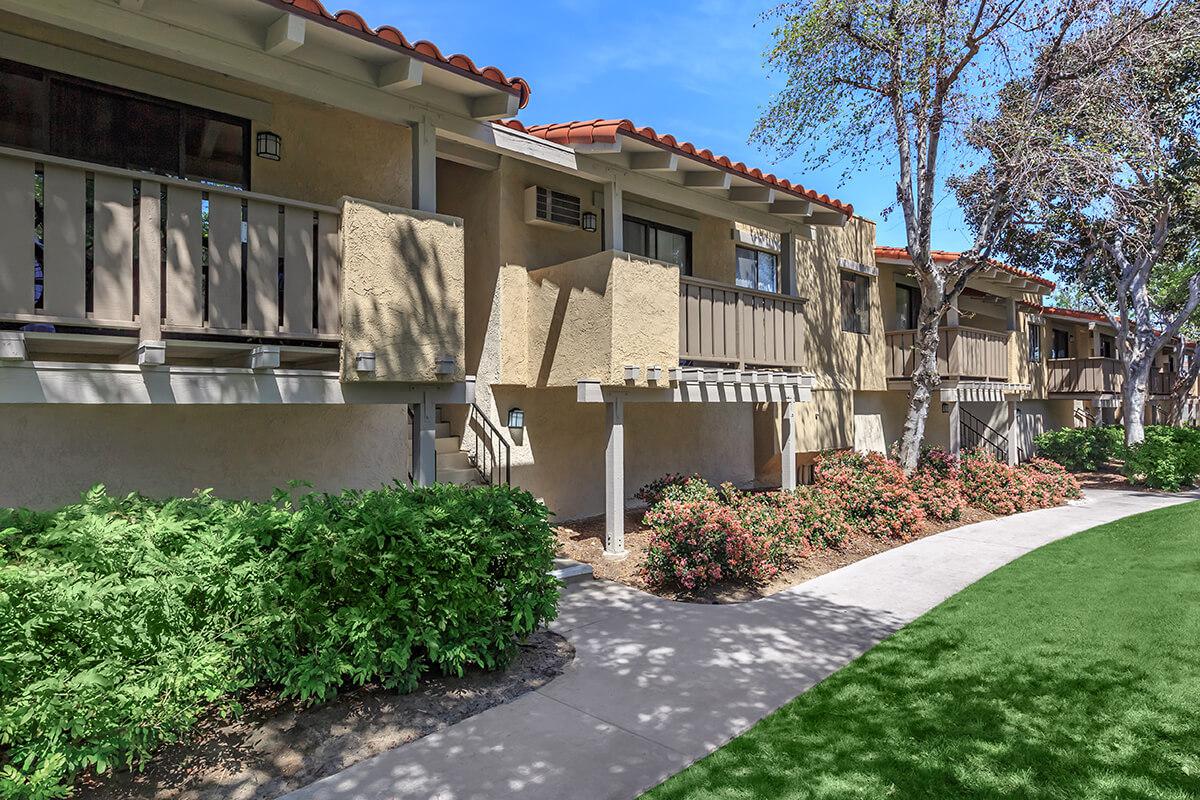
{"x":757,"y":270}
{"x":908,"y":307}
{"x":1061,"y":346}
{"x":1035,"y":344}
{"x":1108,"y":346}
{"x":856,"y":303}
{"x":73,"y":118}
{"x":650,"y":239}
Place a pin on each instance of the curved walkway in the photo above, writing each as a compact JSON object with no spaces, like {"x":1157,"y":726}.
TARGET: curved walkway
{"x":657,"y":684}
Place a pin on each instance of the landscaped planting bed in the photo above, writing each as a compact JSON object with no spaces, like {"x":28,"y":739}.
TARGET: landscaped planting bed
{"x":1168,"y":459}
{"x":719,"y":544}
{"x":124,"y":621}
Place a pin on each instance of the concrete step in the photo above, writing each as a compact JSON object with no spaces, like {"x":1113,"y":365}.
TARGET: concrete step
{"x":569,"y":571}
{"x":443,"y":430}
{"x":453,"y":460}
{"x":447,"y":444}
{"x":462,"y":477}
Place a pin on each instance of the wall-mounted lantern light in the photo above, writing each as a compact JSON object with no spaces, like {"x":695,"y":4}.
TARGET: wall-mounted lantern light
{"x":270,"y":146}
{"x":516,"y":419}
{"x":945,"y":408}
{"x":588,"y":222}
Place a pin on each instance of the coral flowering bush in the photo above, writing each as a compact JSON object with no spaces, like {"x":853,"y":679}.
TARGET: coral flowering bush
{"x":938,"y":486}
{"x":674,"y":486}
{"x":873,"y":492}
{"x":990,"y":484}
{"x":696,"y":543}
{"x":1053,"y":475}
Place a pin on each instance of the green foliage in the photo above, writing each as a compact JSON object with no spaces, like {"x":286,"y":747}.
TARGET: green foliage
{"x":123,"y":619}
{"x":1081,"y":449}
{"x":1169,"y":458}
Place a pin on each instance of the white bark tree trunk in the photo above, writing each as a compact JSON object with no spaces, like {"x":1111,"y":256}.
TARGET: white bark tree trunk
{"x":1133,"y":398}
{"x":925,"y":379}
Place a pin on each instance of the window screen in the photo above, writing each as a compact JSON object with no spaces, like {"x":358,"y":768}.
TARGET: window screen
{"x":908,"y":307}
{"x":856,"y":303}
{"x":1035,"y":343}
{"x":757,"y":270}
{"x":661,"y":242}
{"x":1061,"y":347}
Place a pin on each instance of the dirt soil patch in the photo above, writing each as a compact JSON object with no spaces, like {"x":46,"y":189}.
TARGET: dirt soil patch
{"x":277,"y":746}
{"x":583,"y":540}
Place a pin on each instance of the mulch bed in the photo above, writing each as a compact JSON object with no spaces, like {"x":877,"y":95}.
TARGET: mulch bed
{"x":583,"y":540}
{"x":277,"y":746}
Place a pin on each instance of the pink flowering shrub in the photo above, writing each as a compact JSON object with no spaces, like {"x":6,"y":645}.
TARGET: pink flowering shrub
{"x":1058,"y":482}
{"x":1002,"y":489}
{"x":872,"y":491}
{"x":696,"y":543}
{"x":937,"y":485}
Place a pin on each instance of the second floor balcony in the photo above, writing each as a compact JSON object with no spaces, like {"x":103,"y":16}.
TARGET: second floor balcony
{"x":732,"y":326}
{"x":969,"y":354}
{"x":1097,"y":375}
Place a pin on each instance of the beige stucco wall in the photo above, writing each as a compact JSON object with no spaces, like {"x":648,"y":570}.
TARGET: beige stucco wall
{"x":402,"y":292}
{"x":54,"y":452}
{"x":327,"y":152}
{"x":587,"y":319}
{"x":841,"y":360}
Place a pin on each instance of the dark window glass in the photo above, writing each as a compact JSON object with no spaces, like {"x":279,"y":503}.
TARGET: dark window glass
{"x":1061,"y":348}
{"x":856,"y":303}
{"x":1108,"y":346}
{"x":1035,"y":343}
{"x":757,"y":270}
{"x":908,"y":307}
{"x":661,"y":242}
{"x":64,"y":116}
{"x":22,"y":106}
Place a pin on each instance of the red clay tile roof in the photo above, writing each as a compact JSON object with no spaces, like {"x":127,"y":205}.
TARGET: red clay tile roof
{"x":425,"y":51}
{"x":945,"y":256}
{"x":1093,"y":316}
{"x":606,"y":130}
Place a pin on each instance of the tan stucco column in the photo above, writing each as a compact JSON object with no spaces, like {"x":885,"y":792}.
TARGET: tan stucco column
{"x":614,"y":217}
{"x":614,"y":479}
{"x":424,"y":165}
{"x":787,"y":447}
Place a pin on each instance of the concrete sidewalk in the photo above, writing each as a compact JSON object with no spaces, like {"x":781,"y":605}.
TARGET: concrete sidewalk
{"x":658,"y":684}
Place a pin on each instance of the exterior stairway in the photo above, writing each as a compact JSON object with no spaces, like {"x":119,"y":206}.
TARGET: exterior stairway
{"x":453,"y":465}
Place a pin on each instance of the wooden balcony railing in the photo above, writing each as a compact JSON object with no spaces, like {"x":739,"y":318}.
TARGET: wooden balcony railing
{"x":725,"y":324}
{"x":85,"y":245}
{"x":963,"y":353}
{"x":1098,"y":375}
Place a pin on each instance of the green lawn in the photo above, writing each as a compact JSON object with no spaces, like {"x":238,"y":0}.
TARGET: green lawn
{"x":1071,"y":673}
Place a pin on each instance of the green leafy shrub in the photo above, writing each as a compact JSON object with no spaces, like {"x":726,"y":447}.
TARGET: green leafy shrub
{"x":873,"y":492}
{"x":674,"y":486}
{"x":1081,"y":449}
{"x":1168,"y":459}
{"x":123,"y":619}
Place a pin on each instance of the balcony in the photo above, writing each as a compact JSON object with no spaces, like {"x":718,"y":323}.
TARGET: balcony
{"x":721,"y":324}
{"x":95,"y":260}
{"x":1093,"y":376}
{"x":963,"y":354}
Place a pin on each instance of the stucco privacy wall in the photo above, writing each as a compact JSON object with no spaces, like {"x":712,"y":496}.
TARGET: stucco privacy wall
{"x":1036,"y":416}
{"x":327,"y":152}
{"x":54,"y":452}
{"x":402,"y":292}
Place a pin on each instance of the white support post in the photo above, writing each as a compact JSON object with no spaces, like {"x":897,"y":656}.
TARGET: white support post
{"x":952,"y":314}
{"x":955,"y":429}
{"x":1014,"y":433}
{"x":614,"y":217}
{"x":787,"y":264}
{"x":787,"y":448}
{"x":424,"y":166}
{"x":425,"y":443}
{"x":614,"y":480}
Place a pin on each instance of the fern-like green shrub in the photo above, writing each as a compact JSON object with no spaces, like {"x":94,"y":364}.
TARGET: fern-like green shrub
{"x":1168,"y":459}
{"x":1081,"y":449}
{"x":122,"y":619}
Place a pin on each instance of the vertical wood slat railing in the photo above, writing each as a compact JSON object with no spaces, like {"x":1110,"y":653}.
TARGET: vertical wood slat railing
{"x":1099,"y":375}
{"x":76,"y":240}
{"x":725,"y":324}
{"x":962,"y":353}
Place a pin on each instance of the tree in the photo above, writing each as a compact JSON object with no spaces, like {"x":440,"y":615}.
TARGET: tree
{"x":890,"y":83}
{"x":1114,"y":192}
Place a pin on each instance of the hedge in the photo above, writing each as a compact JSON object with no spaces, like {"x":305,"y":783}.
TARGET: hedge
{"x":122,"y":619}
{"x":1169,"y":458}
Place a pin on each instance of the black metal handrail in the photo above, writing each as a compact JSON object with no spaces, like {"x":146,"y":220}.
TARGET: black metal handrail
{"x":975,"y":433}
{"x":490,"y":467}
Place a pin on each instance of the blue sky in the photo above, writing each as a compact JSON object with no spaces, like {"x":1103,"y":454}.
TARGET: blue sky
{"x":692,"y":69}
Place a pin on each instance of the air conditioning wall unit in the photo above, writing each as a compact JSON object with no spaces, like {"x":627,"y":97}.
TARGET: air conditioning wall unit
{"x":545,"y":206}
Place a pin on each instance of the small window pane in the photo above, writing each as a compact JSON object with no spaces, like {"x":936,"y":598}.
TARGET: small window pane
{"x":214,"y":150}
{"x":767,"y":272}
{"x":1035,"y":343}
{"x":115,"y":129}
{"x":23,"y":107}
{"x":670,"y":247}
{"x":908,"y":307}
{"x":747,"y":268}
{"x":1062,"y":345}
{"x":856,"y":303}
{"x":635,"y":239}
